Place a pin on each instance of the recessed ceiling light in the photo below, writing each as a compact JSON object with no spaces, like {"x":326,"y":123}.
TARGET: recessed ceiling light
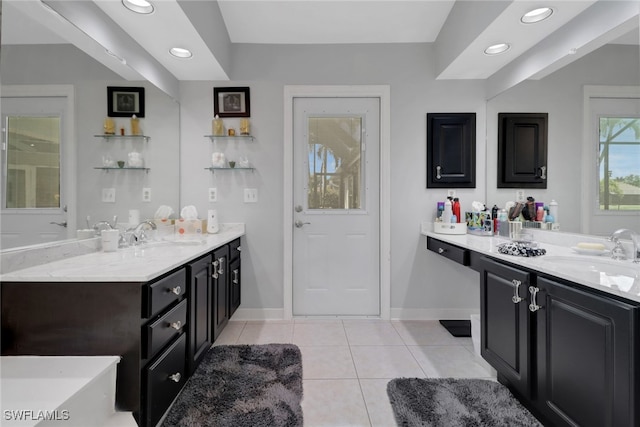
{"x":138,"y":6}
{"x":497,"y":48}
{"x":536,"y":15}
{"x":180,"y":52}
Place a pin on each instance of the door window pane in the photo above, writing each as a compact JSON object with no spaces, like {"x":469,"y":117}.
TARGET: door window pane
{"x":33,"y":162}
{"x":619,"y":163}
{"x":335,"y":167}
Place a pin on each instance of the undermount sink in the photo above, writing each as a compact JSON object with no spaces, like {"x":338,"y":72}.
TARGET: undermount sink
{"x":596,"y":265}
{"x":613,"y":274}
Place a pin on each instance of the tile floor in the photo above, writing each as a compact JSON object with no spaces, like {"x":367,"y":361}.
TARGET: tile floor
{"x":347,"y":364}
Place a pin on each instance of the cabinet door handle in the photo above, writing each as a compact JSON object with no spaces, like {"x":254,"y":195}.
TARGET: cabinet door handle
{"x":215,"y":269}
{"x":220,"y":264}
{"x":175,"y":377}
{"x":533,"y":307}
{"x":235,"y":277}
{"x":543,"y":172}
{"x":438,"y":169}
{"x":177,"y":290}
{"x":516,"y":291}
{"x":176,"y":325}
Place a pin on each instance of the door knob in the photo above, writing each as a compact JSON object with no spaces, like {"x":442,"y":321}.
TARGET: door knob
{"x":299,"y":223}
{"x":298,"y":208}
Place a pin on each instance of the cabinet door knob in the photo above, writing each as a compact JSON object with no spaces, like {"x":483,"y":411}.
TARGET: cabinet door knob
{"x":516,"y":291}
{"x":177,"y":290}
{"x":176,"y":325}
{"x":175,"y":377}
{"x":533,"y":307}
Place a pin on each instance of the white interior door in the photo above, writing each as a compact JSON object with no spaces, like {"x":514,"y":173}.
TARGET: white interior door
{"x":336,"y":195}
{"x":34,"y":187}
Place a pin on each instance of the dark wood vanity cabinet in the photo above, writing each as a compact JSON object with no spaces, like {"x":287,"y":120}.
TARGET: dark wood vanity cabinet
{"x":200,"y":336}
{"x":522,"y":150}
{"x":161,"y":328}
{"x":569,"y":354}
{"x":451,"y":150}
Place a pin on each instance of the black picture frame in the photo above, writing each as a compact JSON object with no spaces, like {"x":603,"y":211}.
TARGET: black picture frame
{"x":231,"y":102}
{"x":125,"y":101}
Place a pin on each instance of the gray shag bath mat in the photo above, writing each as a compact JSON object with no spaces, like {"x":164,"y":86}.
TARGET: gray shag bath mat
{"x":455,"y":402}
{"x":242,"y":385}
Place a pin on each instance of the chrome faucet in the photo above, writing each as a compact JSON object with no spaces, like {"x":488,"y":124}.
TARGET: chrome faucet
{"x":137,"y":235}
{"x":104,"y":225}
{"x":618,"y":251}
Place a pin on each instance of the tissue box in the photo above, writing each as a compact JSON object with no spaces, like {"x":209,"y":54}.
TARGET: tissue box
{"x":191,"y":226}
{"x":476,"y":220}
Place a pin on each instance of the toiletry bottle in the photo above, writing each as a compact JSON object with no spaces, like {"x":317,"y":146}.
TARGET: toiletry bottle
{"x":448,"y":212}
{"x":494,"y":217}
{"x":553,"y":210}
{"x":540,"y":214}
{"x":456,"y":208}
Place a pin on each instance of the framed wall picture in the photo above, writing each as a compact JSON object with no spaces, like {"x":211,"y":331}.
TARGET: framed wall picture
{"x":231,"y":102}
{"x":125,"y":101}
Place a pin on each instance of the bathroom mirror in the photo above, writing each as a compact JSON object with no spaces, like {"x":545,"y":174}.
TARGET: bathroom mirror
{"x":571,"y":177}
{"x":61,"y":178}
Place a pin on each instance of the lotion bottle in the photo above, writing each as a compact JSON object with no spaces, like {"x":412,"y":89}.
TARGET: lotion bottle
{"x":448,"y":212}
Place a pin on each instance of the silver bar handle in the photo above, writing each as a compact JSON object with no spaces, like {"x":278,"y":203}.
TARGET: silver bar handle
{"x":516,"y":294}
{"x":235,"y":276}
{"x":533,"y":307}
{"x":438,"y":169}
{"x":543,"y":170}
{"x":220,"y":264}
{"x":215,"y":269}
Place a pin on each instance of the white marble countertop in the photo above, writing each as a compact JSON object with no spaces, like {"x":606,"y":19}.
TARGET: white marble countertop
{"x":134,"y":264}
{"x":621,"y":278}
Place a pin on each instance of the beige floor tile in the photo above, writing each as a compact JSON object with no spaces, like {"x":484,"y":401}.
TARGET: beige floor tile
{"x":377,"y":401}
{"x":266,"y":333}
{"x":385,"y":362}
{"x":306,"y":334}
{"x":449,"y":362}
{"x":372,"y":333}
{"x":230,"y":333}
{"x":327,"y":362}
{"x":429,"y":332}
{"x":334,"y":403}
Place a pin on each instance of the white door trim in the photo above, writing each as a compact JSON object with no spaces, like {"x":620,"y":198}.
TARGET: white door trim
{"x":70,"y":167}
{"x":374,"y":91}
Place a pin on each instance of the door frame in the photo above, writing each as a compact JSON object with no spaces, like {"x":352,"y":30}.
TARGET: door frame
{"x":383,"y":93}
{"x":69,"y":153}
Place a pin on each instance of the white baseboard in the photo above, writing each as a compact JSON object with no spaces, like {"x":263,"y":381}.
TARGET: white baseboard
{"x":432,"y":313}
{"x":396,"y":313}
{"x":258,"y":314}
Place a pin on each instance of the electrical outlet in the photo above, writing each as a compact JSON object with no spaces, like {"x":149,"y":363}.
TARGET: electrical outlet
{"x":146,"y":194}
{"x":451,"y":193}
{"x":213,"y":194}
{"x":520,"y":196}
{"x":109,"y":195}
{"x":250,"y":195}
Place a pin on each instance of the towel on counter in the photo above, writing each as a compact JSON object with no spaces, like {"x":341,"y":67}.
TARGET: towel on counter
{"x":519,"y":249}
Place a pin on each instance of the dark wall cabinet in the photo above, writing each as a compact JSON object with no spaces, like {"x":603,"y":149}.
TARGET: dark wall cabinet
{"x":569,"y":354}
{"x":522,"y":150}
{"x":162,"y":328}
{"x":451,"y":150}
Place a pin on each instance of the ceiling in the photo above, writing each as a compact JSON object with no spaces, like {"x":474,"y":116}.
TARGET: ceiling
{"x":458,"y":31}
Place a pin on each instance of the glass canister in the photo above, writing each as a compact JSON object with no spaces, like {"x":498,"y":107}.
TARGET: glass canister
{"x":244,"y":127}
{"x":217,"y":126}
{"x":135,"y":125}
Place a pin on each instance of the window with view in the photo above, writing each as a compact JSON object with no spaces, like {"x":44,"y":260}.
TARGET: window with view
{"x":619,"y":163}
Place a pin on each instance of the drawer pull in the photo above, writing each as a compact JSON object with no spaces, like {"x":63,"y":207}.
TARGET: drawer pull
{"x":441,"y":250}
{"x":534,"y":292}
{"x":220,"y":264}
{"x":176,"y":325}
{"x":239,"y":248}
{"x":175,"y":377}
{"x":235,"y":277}
{"x":177,"y":290}
{"x":516,"y":294}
